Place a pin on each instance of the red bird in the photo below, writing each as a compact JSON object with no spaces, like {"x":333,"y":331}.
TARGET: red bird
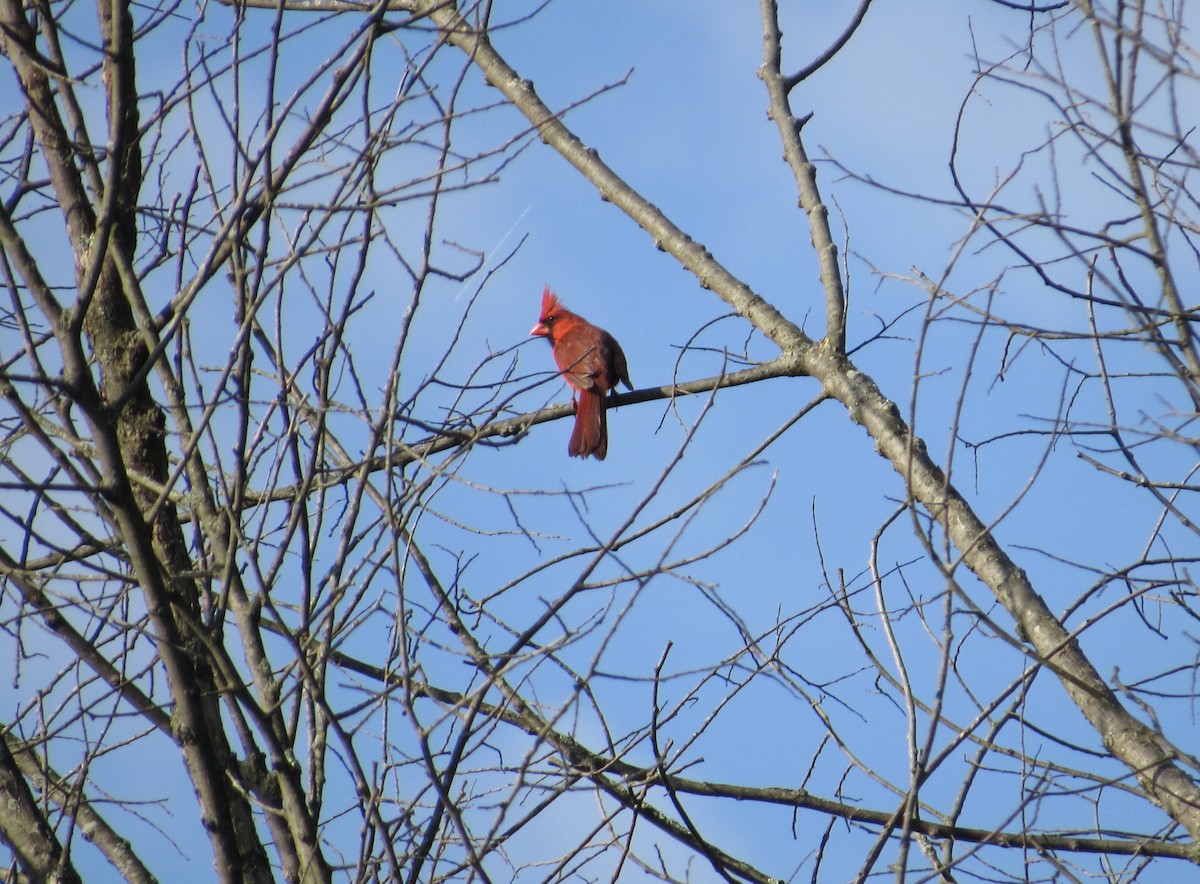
{"x":592,"y":362}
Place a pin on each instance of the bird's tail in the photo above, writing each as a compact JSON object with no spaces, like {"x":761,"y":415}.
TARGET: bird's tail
{"x":590,"y":436}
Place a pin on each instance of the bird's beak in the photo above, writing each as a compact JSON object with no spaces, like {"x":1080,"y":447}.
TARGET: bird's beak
{"x":540,"y":330}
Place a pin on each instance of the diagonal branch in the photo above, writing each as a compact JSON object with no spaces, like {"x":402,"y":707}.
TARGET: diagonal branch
{"x":1127,"y":737}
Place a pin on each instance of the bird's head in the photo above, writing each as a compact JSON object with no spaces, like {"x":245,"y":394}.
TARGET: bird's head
{"x":552,"y":309}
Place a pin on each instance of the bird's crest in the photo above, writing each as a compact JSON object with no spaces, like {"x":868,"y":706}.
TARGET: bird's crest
{"x":550,"y":303}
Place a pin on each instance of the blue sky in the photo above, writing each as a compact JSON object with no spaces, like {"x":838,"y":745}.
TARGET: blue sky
{"x":688,"y":129}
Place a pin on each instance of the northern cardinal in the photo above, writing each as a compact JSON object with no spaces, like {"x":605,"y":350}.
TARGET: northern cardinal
{"x":591,"y":361}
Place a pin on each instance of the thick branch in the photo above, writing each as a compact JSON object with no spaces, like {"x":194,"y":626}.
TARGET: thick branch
{"x":130,"y":436}
{"x":1124,"y":735}
{"x":24,"y":829}
{"x":93,"y":826}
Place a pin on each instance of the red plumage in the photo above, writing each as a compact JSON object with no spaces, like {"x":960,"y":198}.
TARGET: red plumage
{"x":592,"y":362}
